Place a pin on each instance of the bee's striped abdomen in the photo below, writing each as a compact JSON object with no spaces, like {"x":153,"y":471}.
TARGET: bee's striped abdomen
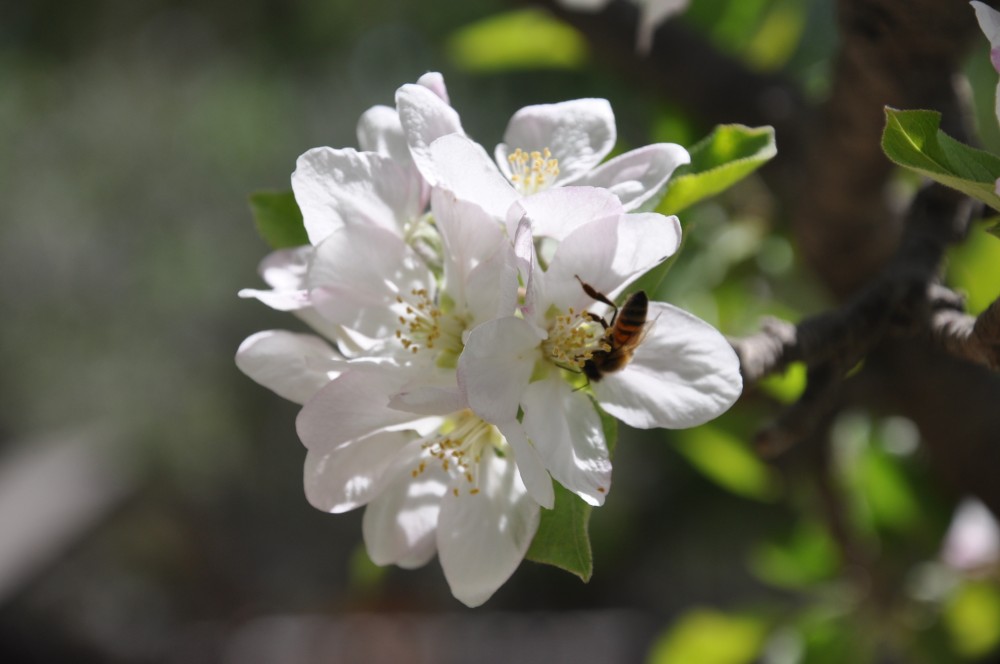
{"x":630,"y":320}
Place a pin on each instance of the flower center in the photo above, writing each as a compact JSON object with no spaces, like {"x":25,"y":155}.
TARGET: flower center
{"x":424,"y":326}
{"x":458,"y":448}
{"x":573,"y":339}
{"x":532,"y":171}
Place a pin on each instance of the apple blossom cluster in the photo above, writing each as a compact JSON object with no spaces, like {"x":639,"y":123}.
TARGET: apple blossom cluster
{"x":443,"y":388}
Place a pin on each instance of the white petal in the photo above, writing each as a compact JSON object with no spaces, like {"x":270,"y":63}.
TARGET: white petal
{"x":357,"y":274}
{"x":638,"y":177}
{"x":462,"y":167}
{"x":349,"y":476}
{"x":482,"y":538}
{"x":556,"y":213}
{"x":425,"y":117}
{"x":989,"y":21}
{"x":530,"y":465}
{"x":684,"y":373}
{"x":609,"y":254}
{"x":428,"y":400}
{"x":279,"y":300}
{"x":653,"y":13}
{"x":294,"y":366}
{"x":285,"y":269}
{"x":495,"y":367}
{"x":345,"y":187}
{"x":399,"y":525}
{"x":579,"y":133}
{"x":478,"y":262}
{"x":567,"y":432}
{"x":353,"y":406}
{"x":379,"y":131}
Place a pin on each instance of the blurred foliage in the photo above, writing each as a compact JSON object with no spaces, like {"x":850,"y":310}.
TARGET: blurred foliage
{"x":278,"y":219}
{"x":524,"y":39}
{"x":133,"y":133}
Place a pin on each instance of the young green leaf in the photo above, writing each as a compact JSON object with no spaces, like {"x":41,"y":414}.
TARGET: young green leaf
{"x":914,"y":140}
{"x":718,"y":161}
{"x":517,"y":40}
{"x":278,"y":219}
{"x":563,"y":539}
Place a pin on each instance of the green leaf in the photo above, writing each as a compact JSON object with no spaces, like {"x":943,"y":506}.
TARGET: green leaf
{"x":718,"y":161}
{"x":517,"y":40}
{"x":974,"y":268}
{"x":563,"y":539}
{"x":727,"y":461}
{"x":788,"y":386}
{"x":278,"y":219}
{"x":913,"y":140}
{"x":707,"y":636}
{"x":972,"y":617}
{"x":806,"y":557}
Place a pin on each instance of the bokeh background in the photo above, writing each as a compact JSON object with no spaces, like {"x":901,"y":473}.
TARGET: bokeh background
{"x":151,"y":502}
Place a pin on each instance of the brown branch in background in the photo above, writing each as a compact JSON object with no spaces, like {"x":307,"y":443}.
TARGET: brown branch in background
{"x":898,"y":300}
{"x":976,"y":339}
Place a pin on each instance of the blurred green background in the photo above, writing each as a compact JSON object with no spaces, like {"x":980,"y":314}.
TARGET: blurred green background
{"x":151,"y":495}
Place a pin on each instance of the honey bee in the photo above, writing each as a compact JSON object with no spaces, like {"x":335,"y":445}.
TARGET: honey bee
{"x":623,"y":334}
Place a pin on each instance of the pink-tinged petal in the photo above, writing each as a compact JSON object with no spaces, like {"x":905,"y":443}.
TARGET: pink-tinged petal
{"x":684,"y":373}
{"x":462,"y":167}
{"x":294,"y":366}
{"x":579,"y":133}
{"x":556,"y":213}
{"x":530,"y":465}
{"x":989,"y":22}
{"x":425,"y":117}
{"x":434,"y":82}
{"x":357,"y":274}
{"x":400,"y":525}
{"x":354,"y":405}
{"x":566,"y":430}
{"x":349,"y":476}
{"x":495,"y":367}
{"x":345,"y":187}
{"x":482,"y":538}
{"x":639,"y":177}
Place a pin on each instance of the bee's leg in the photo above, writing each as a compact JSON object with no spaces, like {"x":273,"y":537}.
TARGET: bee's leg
{"x":600,"y":297}
{"x":597,"y":319}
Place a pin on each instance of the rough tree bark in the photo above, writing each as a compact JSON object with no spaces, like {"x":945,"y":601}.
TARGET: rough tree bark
{"x":924,"y":358}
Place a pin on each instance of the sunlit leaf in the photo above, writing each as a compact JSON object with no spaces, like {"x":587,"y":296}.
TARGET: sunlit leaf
{"x":362,"y":573}
{"x":972,"y":617}
{"x":913,"y":139}
{"x":707,"y":636}
{"x":974,"y":268}
{"x":517,"y":40}
{"x":806,"y":557}
{"x":778,"y":35}
{"x":728,"y":461}
{"x":724,"y":157}
{"x":278,"y":219}
{"x":563,"y":539}
{"x":786,"y":387}
{"x":890,"y":496}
